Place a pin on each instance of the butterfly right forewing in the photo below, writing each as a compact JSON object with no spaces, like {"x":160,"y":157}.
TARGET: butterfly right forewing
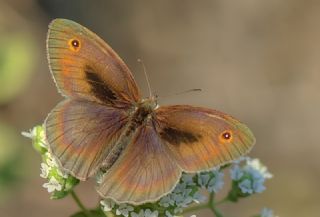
{"x":86,"y":67}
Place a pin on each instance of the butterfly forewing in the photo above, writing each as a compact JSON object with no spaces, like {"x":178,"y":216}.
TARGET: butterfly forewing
{"x":199,"y":138}
{"x":82,"y":133}
{"x":84,"y":66}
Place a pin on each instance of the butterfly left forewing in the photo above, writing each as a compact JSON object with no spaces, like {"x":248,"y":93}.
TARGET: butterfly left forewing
{"x":200,"y":139}
{"x":81,"y":134}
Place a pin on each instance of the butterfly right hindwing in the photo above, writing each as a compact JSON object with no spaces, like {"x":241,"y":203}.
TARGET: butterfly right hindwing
{"x":199,"y":138}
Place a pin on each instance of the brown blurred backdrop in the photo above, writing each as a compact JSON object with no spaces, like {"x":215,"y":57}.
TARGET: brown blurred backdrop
{"x":257,"y":60}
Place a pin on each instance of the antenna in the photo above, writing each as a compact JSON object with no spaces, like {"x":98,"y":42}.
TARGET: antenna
{"x":183,"y":92}
{"x":146,"y":75}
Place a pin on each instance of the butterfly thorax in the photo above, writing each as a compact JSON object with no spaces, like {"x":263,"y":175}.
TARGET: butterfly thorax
{"x":142,"y":113}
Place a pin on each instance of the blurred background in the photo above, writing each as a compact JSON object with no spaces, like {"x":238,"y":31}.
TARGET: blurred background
{"x":256,"y":60}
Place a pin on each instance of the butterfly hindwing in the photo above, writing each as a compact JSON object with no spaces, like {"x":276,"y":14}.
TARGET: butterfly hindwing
{"x":200,"y":139}
{"x":143,"y":173}
{"x":81,"y":134}
{"x":84,"y":66}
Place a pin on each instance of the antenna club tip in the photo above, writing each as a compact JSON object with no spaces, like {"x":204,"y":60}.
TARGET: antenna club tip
{"x":139,"y":60}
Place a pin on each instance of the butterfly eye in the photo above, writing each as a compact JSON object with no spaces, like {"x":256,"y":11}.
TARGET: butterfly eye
{"x":74,"y":44}
{"x":226,"y":136}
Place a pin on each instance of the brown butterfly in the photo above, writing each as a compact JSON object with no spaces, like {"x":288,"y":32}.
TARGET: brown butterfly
{"x":103,"y":124}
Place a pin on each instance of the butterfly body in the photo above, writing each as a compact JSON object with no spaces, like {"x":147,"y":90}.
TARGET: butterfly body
{"x":103,"y":124}
{"x":139,"y":115}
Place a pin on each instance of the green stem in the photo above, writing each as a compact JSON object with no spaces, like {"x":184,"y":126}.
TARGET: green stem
{"x":79,"y":203}
{"x":216,"y":211}
{"x":210,"y":205}
{"x":213,"y":207}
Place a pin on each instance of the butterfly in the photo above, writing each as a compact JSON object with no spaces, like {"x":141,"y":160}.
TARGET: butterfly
{"x":103,"y":124}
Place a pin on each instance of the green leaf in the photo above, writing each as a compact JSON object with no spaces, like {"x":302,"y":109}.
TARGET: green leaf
{"x":58,"y":195}
{"x":71,"y":182}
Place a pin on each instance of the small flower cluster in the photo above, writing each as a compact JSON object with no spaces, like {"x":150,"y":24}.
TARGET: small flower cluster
{"x":186,"y":192}
{"x":265,"y":212}
{"x":248,"y":178}
{"x":59,"y":184}
{"x":126,"y":209}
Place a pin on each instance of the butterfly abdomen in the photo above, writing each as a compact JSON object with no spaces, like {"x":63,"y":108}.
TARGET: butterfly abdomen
{"x":139,"y":116}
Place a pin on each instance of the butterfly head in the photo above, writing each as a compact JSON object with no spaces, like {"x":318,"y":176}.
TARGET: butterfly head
{"x":150,"y":103}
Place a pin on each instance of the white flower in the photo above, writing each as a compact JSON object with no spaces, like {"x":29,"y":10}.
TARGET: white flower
{"x":124,"y":209}
{"x":258,"y":186}
{"x":149,"y":213}
{"x":140,"y":214}
{"x":198,"y":197}
{"x":31,"y":134}
{"x":185,"y":202}
{"x":166,"y":201}
{"x":107,"y":204}
{"x":50,"y":161}
{"x":251,"y":176}
{"x":178,"y":198}
{"x":216,"y":183}
{"x":236,"y":173}
{"x":168,"y":214}
{"x":187,"y":179}
{"x":180,"y":188}
{"x":203,"y":179}
{"x":52,"y":185}
{"x":45,"y":169}
{"x":265,"y":212}
{"x":245,"y":186}
{"x":257,"y":165}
